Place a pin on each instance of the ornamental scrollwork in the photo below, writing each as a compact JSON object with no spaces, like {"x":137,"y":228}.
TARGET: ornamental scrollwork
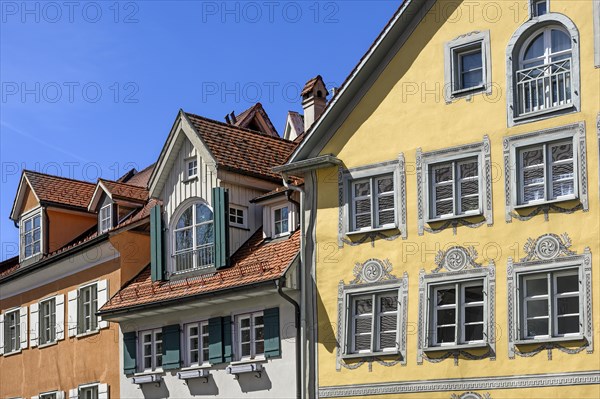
{"x":546,"y":247}
{"x":456,"y":259}
{"x":372,"y":271}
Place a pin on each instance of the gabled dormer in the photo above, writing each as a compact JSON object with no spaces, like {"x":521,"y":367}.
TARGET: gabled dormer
{"x":113,"y":202}
{"x":50,"y":211}
{"x":280,"y":212}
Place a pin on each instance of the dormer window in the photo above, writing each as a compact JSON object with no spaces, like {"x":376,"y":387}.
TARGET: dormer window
{"x":191,"y":168}
{"x":31,"y":235}
{"x":193,"y":239}
{"x":105,"y":218}
{"x":281,"y":221}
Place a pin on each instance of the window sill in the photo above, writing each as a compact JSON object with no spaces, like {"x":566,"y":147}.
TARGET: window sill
{"x":465,"y":92}
{"x":47,"y":344}
{"x":148,"y":372}
{"x":87,"y":333}
{"x":13,"y":353}
{"x":534,"y":341}
{"x":379,"y":229}
{"x":281,"y":235}
{"x":369,"y":355}
{"x":190,"y":179}
{"x":542,"y":202}
{"x":465,"y":216}
{"x":204,"y":366}
{"x":146,"y":378}
{"x":478,"y":345}
{"x":248,"y":361}
{"x":537,"y":114}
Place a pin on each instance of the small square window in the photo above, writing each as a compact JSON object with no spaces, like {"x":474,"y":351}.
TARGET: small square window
{"x":191,"y":168}
{"x":250,"y":335}
{"x":12,"y":330}
{"x":539,"y":7}
{"x":89,"y":392}
{"x":467,"y":65}
{"x":47,"y":321}
{"x":238,"y":216}
{"x":281,"y":221}
{"x":105,"y":218}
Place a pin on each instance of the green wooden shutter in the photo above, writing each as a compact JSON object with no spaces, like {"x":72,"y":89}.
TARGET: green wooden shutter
{"x":272,"y":341}
{"x":129,"y":352}
{"x":170,"y":345}
{"x":215,"y":340}
{"x":227,"y":341}
{"x":221,"y":225}
{"x":156,"y":258}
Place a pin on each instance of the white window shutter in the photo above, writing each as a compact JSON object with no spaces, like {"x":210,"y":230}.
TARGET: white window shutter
{"x":73,"y":393}
{"x":23,"y":328}
{"x":1,"y":334}
{"x":35,"y":397}
{"x":33,"y":324}
{"x":72,"y":312}
{"x":60,"y":316}
{"x":60,"y":395}
{"x":103,"y":391}
{"x":102,"y":299}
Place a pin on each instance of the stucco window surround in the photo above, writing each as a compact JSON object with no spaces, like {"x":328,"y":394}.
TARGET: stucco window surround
{"x":596,"y":15}
{"x":191,"y":238}
{"x":569,"y":71}
{"x":373,"y":279}
{"x":426,"y":161}
{"x":369,"y":176}
{"x":461,"y":269}
{"x":513,"y":183}
{"x":549,"y":254}
{"x":455,"y":63}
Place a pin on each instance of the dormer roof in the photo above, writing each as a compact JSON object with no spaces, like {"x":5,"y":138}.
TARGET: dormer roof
{"x":312,"y":84}
{"x":52,"y":190}
{"x":118,"y":192}
{"x":256,"y":118}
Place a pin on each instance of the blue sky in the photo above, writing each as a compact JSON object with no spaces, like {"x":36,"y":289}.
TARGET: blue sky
{"x":91,"y":89}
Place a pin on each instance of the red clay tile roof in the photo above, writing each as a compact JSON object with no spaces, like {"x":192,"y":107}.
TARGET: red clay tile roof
{"x":8,"y":266}
{"x":60,"y":190}
{"x":244,"y":119}
{"x":125,"y":190}
{"x":311,"y":85}
{"x":140,"y":178}
{"x":255,"y":262}
{"x":242,"y":150}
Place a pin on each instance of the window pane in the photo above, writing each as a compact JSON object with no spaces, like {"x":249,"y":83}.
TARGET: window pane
{"x":471,"y":61}
{"x":446,"y":316}
{"x":568,"y":305}
{"x":388,"y":323}
{"x":362,"y":342}
{"x":362,"y":189}
{"x":387,"y":340}
{"x":388,"y":303}
{"x":183,"y":240}
{"x":446,"y":296}
{"x":445,"y":334}
{"x":205,"y":234}
{"x":203,"y":213}
{"x":362,"y":306}
{"x":363,"y":325}
{"x":532,"y":157}
{"x":469,"y":204}
{"x":538,"y":286}
{"x":474,"y":332}
{"x":246,"y":349}
{"x":537,"y":308}
{"x":568,"y":325}
{"x":536,"y":48}
{"x":560,"y":41}
{"x":363,"y":206}
{"x":540,"y":8}
{"x":473,"y":314}
{"x":245,"y":336}
{"x":537,"y":327}
{"x":385,"y":184}
{"x":567,"y":284}
{"x":245,"y":322}
{"x":185,"y":219}
{"x":562,"y":152}
{"x":472,"y":79}
{"x":260,"y":347}
{"x":443,"y":174}
{"x":473,"y":293}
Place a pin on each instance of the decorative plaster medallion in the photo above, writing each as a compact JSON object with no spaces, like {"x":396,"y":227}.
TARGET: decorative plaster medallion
{"x":547,"y":247}
{"x":456,"y":259}
{"x":372,"y":271}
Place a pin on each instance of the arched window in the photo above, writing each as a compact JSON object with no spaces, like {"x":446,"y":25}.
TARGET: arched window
{"x":544,"y":75}
{"x":193,"y":239}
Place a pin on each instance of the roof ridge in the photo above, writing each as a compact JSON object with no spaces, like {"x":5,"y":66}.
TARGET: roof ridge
{"x":122,"y":183}
{"x":58,"y":177}
{"x":243,"y":129}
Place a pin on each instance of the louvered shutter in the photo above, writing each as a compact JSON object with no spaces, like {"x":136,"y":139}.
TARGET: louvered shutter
{"x":24,"y":316}
{"x":60,"y":316}
{"x":129,"y":352}
{"x":215,"y":340}
{"x":221,"y":226}
{"x":73,"y":393}
{"x":103,"y":391}
{"x":156,"y":256}
{"x":271,"y":331}
{"x":102,"y":299}
{"x":33,"y":324}
{"x":72,"y":315}
{"x":227,"y":339}
{"x":1,"y":334}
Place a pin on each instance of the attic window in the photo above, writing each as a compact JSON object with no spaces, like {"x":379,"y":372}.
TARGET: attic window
{"x":281,"y":224}
{"x":105,"y":218}
{"x":31,"y":235}
{"x":191,"y":168}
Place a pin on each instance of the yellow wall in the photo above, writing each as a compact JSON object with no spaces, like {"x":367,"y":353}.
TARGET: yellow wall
{"x":74,"y":361}
{"x":387,"y":122}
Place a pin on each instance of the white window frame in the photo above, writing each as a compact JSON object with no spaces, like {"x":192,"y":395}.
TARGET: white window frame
{"x":153,"y":353}
{"x":551,"y":298}
{"x":236,"y":216}
{"x":533,"y":10}
{"x":43,"y":318}
{"x":50,"y":395}
{"x":274,"y":221}
{"x":453,"y":50}
{"x":17,"y":327}
{"x":456,"y":180}
{"x":81,"y":388}
{"x":202,"y":361}
{"x":105,"y":218}
{"x":460,"y":310}
{"x":514,"y":144}
{"x":254,"y":355}
{"x":24,"y":219}
{"x":375,"y":316}
{"x":191,"y":168}
{"x":94,"y":320}
{"x":373,"y":196}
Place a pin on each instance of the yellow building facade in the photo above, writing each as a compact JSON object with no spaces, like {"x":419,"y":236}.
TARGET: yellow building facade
{"x":452,"y":208}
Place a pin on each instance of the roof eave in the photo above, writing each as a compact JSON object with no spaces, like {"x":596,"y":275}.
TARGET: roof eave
{"x":299,"y":167}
